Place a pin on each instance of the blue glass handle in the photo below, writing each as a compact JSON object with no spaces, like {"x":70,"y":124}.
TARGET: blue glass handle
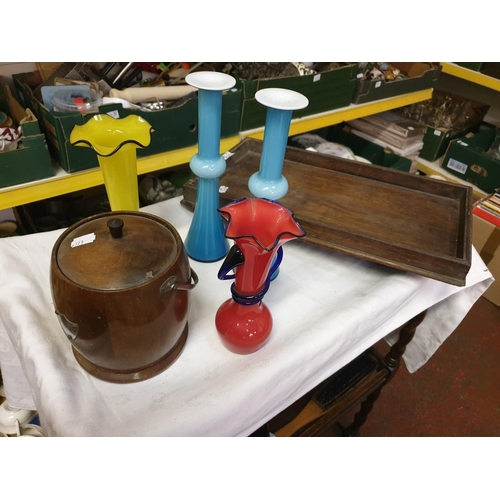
{"x":233,"y":259}
{"x":276,"y":263}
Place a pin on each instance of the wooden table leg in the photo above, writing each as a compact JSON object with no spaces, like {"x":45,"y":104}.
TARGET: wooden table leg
{"x":313,"y":418}
{"x":406,"y":334}
{"x":392,"y":362}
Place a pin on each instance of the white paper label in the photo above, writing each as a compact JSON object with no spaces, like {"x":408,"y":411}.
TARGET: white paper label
{"x":458,"y":166}
{"x":83,"y":240}
{"x":317,"y":78}
{"x":114,"y":114}
{"x":437,"y":132}
{"x":227,"y":155}
{"x":378,"y":84}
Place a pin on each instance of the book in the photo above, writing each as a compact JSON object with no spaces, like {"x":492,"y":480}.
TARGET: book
{"x":486,"y":215}
{"x":488,"y":208}
{"x":491,"y":205}
{"x":394,"y":123}
{"x":409,"y":151}
{"x":386,"y":136}
{"x":495,"y":199}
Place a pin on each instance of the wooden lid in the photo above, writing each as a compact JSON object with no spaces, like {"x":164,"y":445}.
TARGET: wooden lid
{"x":118,"y":250}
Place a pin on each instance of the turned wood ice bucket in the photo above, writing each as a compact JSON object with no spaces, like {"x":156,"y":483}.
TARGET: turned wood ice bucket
{"x":120,"y":283}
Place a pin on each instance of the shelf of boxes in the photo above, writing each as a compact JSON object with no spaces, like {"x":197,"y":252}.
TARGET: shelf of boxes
{"x":434,"y":168}
{"x":63,"y":182}
{"x":471,"y":75}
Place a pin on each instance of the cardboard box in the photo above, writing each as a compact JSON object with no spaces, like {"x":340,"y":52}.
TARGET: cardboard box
{"x":31,"y":160}
{"x":327,"y":90}
{"x":175,"y":128}
{"x":486,"y":240}
{"x":467,"y":159}
{"x":420,"y":76}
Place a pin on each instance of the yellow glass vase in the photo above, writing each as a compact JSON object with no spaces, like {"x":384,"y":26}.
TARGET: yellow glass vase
{"x":115,"y":141}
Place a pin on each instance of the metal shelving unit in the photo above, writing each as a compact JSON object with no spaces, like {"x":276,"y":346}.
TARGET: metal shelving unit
{"x":352,"y":112}
{"x":434,"y":168}
{"x":63,"y":182}
{"x":471,"y":75}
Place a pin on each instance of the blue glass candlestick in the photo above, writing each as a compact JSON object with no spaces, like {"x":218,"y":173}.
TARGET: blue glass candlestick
{"x":269,"y":182}
{"x":205,"y":240}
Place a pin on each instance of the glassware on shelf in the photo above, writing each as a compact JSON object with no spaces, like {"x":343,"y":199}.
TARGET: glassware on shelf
{"x":442,"y":111}
{"x":494,"y":150}
{"x":115,"y":141}
{"x":205,"y":240}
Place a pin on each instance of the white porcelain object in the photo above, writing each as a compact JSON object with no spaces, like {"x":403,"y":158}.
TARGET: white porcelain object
{"x":9,"y":416}
{"x":31,"y":430}
{"x":362,"y":160}
{"x":210,"y":80}
{"x":8,"y":145}
{"x":335,"y":149}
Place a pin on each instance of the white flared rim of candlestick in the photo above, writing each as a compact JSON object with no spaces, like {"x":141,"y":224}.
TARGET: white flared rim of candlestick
{"x":282,"y":99}
{"x":210,"y":80}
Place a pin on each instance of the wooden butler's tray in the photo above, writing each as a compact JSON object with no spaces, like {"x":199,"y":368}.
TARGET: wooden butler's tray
{"x":394,"y":218}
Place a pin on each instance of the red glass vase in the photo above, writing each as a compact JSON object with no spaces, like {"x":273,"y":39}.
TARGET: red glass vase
{"x":259,"y":227}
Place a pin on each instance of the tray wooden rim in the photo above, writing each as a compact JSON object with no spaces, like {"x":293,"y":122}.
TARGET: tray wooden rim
{"x":458,"y":266}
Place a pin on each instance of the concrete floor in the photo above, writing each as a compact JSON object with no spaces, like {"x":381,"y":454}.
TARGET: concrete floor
{"x":456,"y":393}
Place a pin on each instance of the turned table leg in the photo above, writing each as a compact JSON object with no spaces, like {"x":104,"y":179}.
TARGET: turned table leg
{"x":392,"y":361}
{"x":393,"y":358}
{"x":362,"y":415}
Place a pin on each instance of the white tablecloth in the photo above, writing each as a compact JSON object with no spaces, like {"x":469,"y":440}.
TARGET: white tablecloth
{"x":327,"y":309}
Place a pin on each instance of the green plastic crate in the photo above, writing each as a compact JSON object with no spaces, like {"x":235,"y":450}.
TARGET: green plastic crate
{"x":372,"y":152}
{"x":325,"y":91}
{"x":421,"y":76}
{"x":475,"y":66}
{"x":175,"y":128}
{"x":31,"y":161}
{"x":436,"y":140}
{"x":466,"y":158}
